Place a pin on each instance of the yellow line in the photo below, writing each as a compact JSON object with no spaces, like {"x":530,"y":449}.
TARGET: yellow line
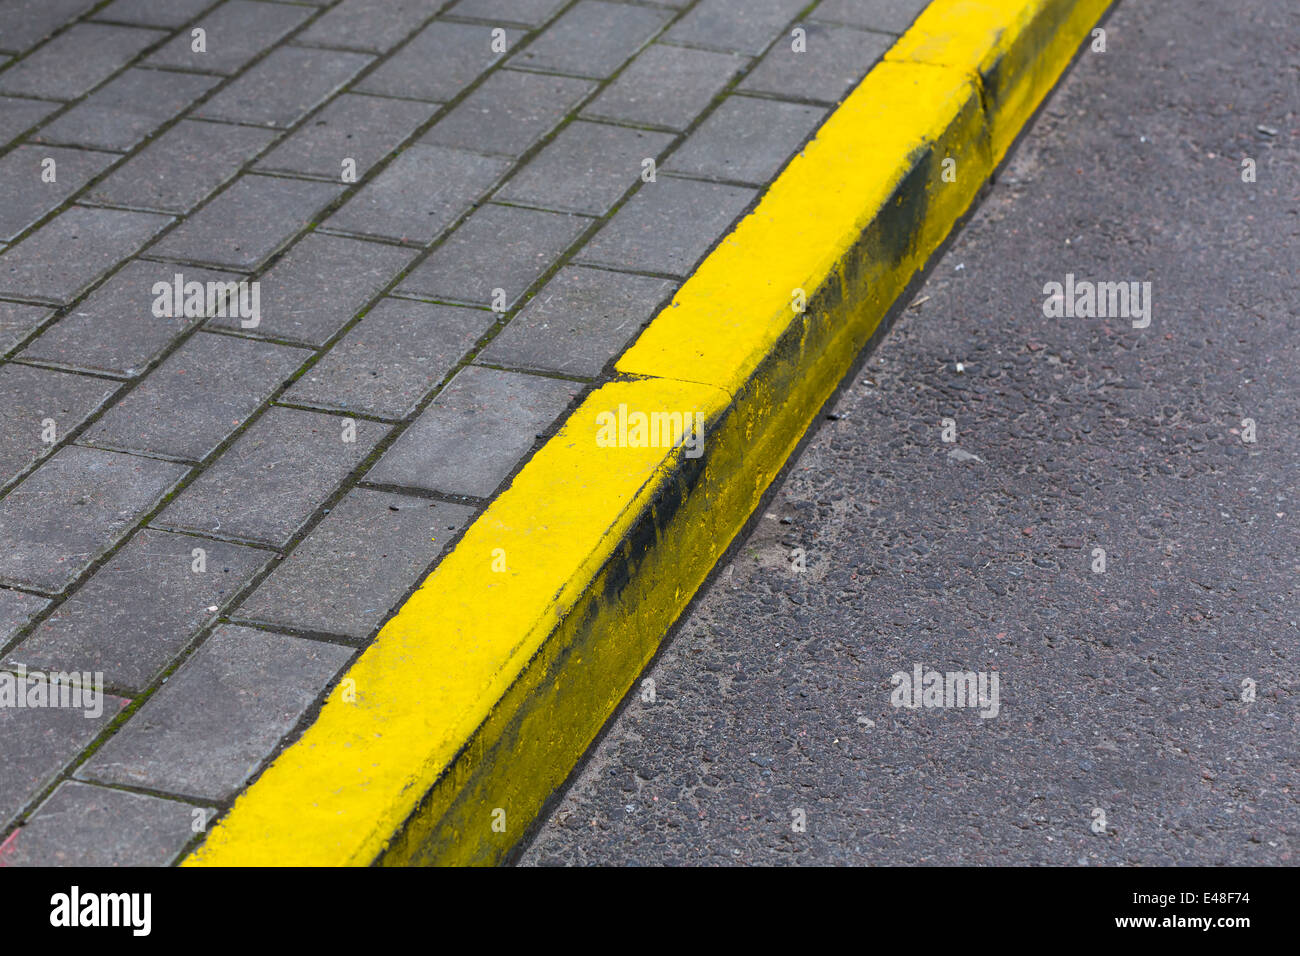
{"x":479,"y":696}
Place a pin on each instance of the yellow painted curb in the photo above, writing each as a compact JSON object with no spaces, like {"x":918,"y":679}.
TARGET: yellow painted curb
{"x":449,"y":733}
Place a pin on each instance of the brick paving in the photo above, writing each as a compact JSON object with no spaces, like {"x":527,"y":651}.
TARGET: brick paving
{"x":449,"y":214}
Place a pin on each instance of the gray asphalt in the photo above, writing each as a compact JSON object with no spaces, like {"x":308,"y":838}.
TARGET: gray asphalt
{"x":1120,"y":691}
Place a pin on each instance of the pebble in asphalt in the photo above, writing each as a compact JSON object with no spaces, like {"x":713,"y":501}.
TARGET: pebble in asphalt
{"x":1122,"y":735}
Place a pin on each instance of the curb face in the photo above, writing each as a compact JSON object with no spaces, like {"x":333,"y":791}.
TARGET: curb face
{"x":477,"y":698}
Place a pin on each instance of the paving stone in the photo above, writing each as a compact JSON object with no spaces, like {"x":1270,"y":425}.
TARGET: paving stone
{"x":498,"y":415}
{"x":746,"y":139}
{"x":25,"y":23}
{"x":509,"y":112}
{"x":151,"y":13}
{"x":529,"y":12}
{"x":835,"y":59}
{"x":742,"y":26}
{"x":891,"y":16}
{"x":73,"y":508}
{"x":85,"y":825}
{"x":390,"y":360}
{"x":579,"y":321}
{"x":197,"y":397}
{"x":76,"y":61}
{"x":497,"y":247}
{"x":284,"y":87}
{"x":31,"y":397}
{"x":666,"y":86}
{"x":36,"y":743}
{"x":237,"y":31}
{"x":587,"y":168}
{"x":182,"y":167}
{"x":61,"y":259}
{"x":438,"y":62}
{"x":592,"y":38}
{"x":362,"y":128}
{"x":18,"y":115}
{"x":356,"y":565}
{"x":114,"y":330}
{"x":422,"y":192}
{"x":125,"y":110}
{"x":16,"y":611}
{"x":28,"y":197}
{"x":667,"y":226}
{"x":265,"y":486}
{"x":372,"y":25}
{"x":320,"y":284}
{"x":246,"y":224}
{"x":221,"y":715}
{"x":141,"y":609}
{"x":16,"y":321}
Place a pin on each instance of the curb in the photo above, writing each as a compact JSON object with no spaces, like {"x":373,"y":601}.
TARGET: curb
{"x":449,"y":733}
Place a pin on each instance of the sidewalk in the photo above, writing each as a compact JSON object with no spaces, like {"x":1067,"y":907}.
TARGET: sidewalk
{"x":214,"y":512}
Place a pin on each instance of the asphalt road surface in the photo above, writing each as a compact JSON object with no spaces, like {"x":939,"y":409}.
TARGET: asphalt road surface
{"x":1124,"y":730}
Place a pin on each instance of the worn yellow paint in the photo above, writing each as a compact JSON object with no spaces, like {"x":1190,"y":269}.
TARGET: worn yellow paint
{"x":1017,"y":48}
{"x":486,"y":687}
{"x":728,"y":317}
{"x":850,"y":222}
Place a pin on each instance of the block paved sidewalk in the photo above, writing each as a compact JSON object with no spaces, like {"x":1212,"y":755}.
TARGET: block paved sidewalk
{"x":457,"y":215}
